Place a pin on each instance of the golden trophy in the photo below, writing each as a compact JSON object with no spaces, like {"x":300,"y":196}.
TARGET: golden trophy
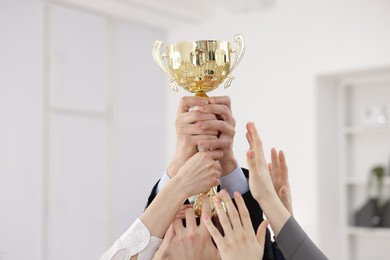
{"x":199,"y":67}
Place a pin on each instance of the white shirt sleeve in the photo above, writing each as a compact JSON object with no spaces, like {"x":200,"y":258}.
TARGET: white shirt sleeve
{"x":164,"y":180}
{"x":234,"y":181}
{"x":136,"y":240}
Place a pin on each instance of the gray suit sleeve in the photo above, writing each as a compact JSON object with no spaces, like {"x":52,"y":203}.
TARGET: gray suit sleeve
{"x":295,"y":244}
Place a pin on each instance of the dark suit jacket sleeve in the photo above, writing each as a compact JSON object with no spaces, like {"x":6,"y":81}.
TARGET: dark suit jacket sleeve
{"x":270,"y":250}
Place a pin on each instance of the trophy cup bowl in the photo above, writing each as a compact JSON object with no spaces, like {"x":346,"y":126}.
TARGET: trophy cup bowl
{"x":199,"y":67}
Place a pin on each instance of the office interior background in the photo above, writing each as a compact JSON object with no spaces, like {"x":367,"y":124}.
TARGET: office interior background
{"x":87,"y":116}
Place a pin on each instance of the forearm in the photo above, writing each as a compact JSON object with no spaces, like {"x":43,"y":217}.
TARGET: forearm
{"x":161,"y":212}
{"x":275,"y":211}
{"x":296,"y":244}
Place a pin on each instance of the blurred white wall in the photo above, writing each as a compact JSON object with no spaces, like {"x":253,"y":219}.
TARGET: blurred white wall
{"x":87,"y":120}
{"x":81,"y":136}
{"x":21,"y":129}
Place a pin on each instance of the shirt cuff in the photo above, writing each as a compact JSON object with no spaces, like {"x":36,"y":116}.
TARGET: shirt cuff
{"x":136,"y":240}
{"x":151,"y":250}
{"x":235,"y":181}
{"x":164,"y":180}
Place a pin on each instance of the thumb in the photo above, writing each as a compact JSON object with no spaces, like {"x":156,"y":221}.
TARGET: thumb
{"x":260,"y":234}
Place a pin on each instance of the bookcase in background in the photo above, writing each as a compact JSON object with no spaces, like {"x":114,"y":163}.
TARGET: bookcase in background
{"x":353,"y":133}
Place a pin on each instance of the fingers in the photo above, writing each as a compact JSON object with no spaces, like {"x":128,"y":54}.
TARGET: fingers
{"x":231,"y":209}
{"x":206,"y":209}
{"x":214,"y":232}
{"x":170,"y":232}
{"x":213,"y":154}
{"x":256,"y":150}
{"x":191,"y":123}
{"x":194,"y":129}
{"x":190,"y":219}
{"x":217,"y":125}
{"x":286,"y":199}
{"x":190,"y":101}
{"x":250,"y":155}
{"x":275,"y":163}
{"x":261,"y":231}
{"x":178,"y":226}
{"x":283,"y":165}
{"x":283,"y":195}
{"x":243,"y":211}
{"x":223,"y":218}
{"x":254,"y":140}
{"x":221,"y":111}
{"x":220,"y":143}
{"x":250,"y":160}
{"x":270,"y":169}
{"x":249,"y":139}
{"x":225,"y":100}
{"x":181,"y":213}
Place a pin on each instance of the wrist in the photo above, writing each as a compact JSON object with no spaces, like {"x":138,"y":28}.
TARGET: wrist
{"x":181,"y":156}
{"x":175,"y":164}
{"x":276,"y":213}
{"x":177,"y":187}
{"x":228,"y":165}
{"x":265,"y":197}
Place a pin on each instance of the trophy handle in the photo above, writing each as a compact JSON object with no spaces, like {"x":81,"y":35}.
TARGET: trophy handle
{"x":239,"y":53}
{"x":159,"y":60}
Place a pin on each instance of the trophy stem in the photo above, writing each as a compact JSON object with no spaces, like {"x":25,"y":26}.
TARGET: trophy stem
{"x":212,"y":193}
{"x":201,"y":94}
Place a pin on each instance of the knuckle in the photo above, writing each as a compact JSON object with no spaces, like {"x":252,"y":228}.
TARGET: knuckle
{"x":233,"y":214}
{"x":244,"y":214}
{"x":233,"y":122}
{"x":228,"y":100}
{"x":243,"y":237}
{"x":232,"y":132}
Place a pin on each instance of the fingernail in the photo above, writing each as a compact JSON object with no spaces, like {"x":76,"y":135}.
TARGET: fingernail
{"x":223,"y":192}
{"x":217,"y":199}
{"x":251,"y":154}
{"x":237,"y":194}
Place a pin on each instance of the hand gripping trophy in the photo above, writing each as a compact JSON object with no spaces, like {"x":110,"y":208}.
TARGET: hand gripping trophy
{"x":199,"y":67}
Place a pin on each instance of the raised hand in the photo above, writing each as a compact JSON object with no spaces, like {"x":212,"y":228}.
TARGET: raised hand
{"x":239,"y":240}
{"x":260,"y":182}
{"x":198,"y":174}
{"x":189,"y":240}
{"x":279,"y":175}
